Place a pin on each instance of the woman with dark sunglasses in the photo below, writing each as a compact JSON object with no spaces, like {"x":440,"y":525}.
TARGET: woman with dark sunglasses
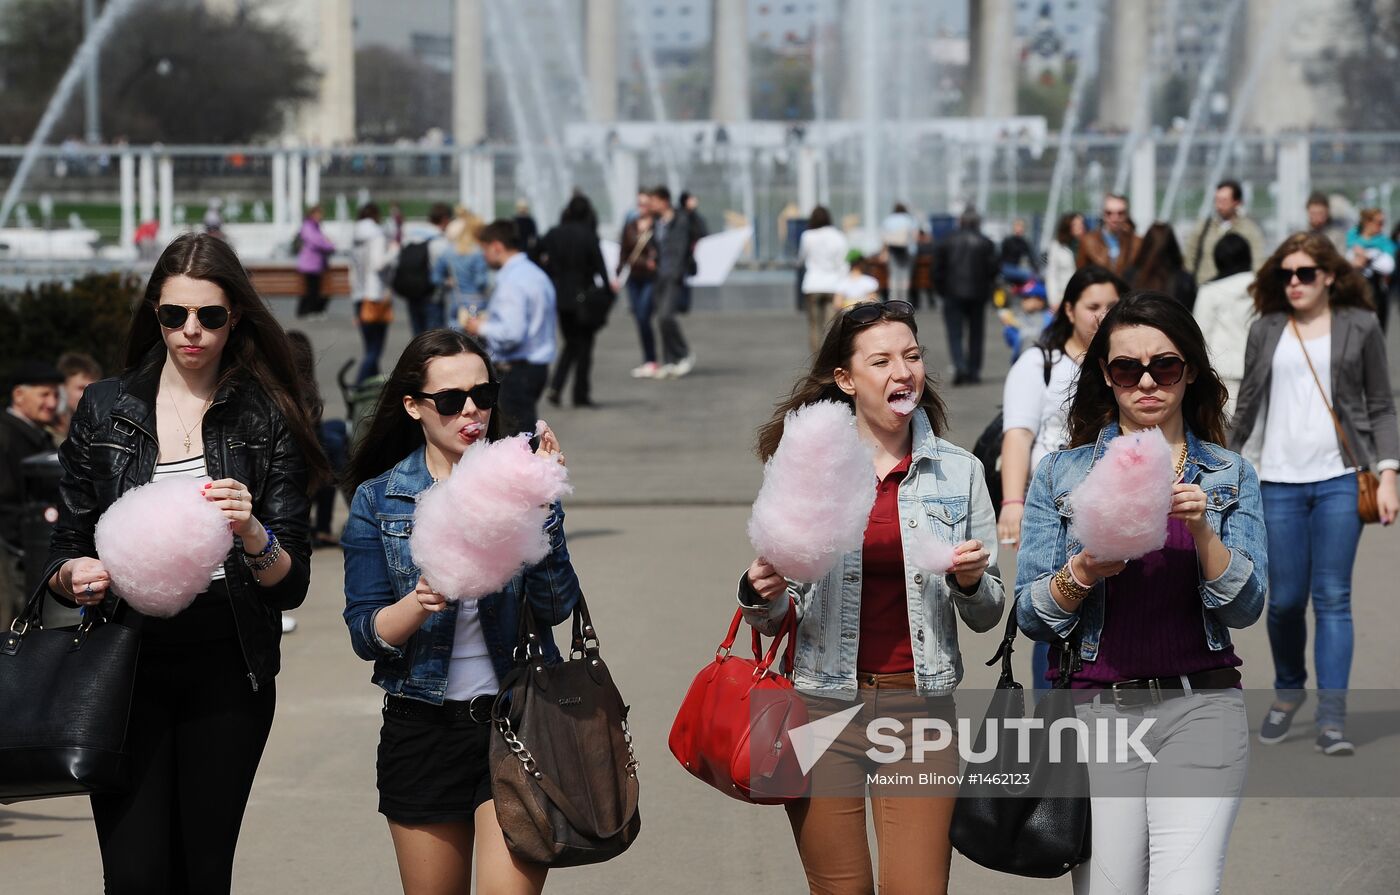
{"x":210,"y":389}
{"x":440,"y":664}
{"x":1315,"y":351}
{"x":1150,"y":638}
{"x":877,"y":629}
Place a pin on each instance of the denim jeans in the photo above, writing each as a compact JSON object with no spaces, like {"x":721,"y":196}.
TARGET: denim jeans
{"x":1313,"y":531}
{"x":642,"y":295}
{"x":426,"y":313}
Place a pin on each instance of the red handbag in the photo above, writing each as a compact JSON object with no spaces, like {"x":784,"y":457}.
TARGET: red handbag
{"x":732,"y":728}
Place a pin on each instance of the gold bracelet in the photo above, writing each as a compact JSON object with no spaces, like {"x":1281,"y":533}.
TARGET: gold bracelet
{"x":1071,"y":589}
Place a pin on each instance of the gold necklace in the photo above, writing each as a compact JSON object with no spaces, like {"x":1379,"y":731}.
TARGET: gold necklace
{"x":176,"y":407}
{"x":1181,"y":464}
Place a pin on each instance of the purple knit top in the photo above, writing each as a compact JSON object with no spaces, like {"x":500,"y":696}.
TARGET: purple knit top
{"x":1152,"y":624}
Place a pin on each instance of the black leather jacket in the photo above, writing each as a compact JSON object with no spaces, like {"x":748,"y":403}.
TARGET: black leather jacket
{"x":112,"y":448}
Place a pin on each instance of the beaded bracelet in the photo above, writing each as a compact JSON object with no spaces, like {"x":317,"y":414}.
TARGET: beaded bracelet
{"x":267,"y":548}
{"x":265,"y":560}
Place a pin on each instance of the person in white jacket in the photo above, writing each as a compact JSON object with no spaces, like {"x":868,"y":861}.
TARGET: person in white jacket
{"x":1060,"y":258}
{"x":374,"y":310}
{"x":823,"y":251}
{"x":1225,"y":311}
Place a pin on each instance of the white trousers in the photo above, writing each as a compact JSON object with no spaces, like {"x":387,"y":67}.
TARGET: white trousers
{"x":1163,"y":828}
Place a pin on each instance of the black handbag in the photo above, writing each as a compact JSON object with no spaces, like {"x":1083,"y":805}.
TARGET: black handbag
{"x":592,"y":305}
{"x":1026,"y":818}
{"x":65,"y":696}
{"x":563,"y":772}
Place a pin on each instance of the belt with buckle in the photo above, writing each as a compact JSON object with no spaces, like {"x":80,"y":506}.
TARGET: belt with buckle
{"x":477,"y":709}
{"x":1156,"y":690}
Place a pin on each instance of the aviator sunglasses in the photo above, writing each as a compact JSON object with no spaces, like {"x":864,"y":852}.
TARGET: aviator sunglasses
{"x":1305,"y":275}
{"x":1165,"y":369}
{"x":209,"y":316}
{"x":870,"y":311}
{"x":449,"y":402}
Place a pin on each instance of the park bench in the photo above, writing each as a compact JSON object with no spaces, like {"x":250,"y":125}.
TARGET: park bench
{"x":283,"y":280}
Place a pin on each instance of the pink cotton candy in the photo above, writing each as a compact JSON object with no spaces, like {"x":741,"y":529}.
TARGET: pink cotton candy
{"x":1121,"y":507}
{"x":162,"y":543}
{"x":474,"y":531}
{"x":818,"y":488}
{"x":925,"y":550}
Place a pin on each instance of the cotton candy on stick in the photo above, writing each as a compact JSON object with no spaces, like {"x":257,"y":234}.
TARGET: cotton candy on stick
{"x":1121,"y":507}
{"x":818,"y":488}
{"x":474,"y":531}
{"x":925,"y":550}
{"x":161,"y":544}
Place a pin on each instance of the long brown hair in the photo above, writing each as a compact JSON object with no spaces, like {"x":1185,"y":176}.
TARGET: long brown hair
{"x":257,"y":348}
{"x":1349,"y":287}
{"x":392,"y":434}
{"x":1202,"y":407}
{"x":1158,"y":260}
{"x":819,"y":384}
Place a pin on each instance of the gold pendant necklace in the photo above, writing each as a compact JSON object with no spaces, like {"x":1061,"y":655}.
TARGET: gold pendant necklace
{"x":181,"y":420}
{"x":1181,"y":464}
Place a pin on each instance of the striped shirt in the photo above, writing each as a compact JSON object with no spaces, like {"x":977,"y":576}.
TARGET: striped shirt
{"x":190,"y":467}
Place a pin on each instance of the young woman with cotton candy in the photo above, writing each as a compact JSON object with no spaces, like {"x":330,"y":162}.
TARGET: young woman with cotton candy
{"x":1142,"y":544}
{"x":452,"y":535}
{"x":894,"y":558}
{"x":185,"y":494}
{"x":1035,"y":402}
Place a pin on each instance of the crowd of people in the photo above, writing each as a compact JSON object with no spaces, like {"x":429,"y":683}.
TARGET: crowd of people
{"x":1265,"y":372}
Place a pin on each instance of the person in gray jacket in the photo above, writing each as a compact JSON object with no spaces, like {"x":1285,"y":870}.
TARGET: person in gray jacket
{"x":1315,"y":351}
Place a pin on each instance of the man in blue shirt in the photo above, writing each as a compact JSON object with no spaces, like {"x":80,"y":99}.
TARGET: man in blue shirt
{"x":519,"y":328}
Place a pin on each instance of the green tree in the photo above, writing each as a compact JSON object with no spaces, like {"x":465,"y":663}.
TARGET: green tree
{"x":171,"y":71}
{"x":1368,"y":68}
{"x":398,"y":95}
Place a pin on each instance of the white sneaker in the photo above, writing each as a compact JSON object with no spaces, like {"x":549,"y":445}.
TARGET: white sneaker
{"x":667,"y":371}
{"x":685,"y":365}
{"x":289,"y":624}
{"x":648,"y":370}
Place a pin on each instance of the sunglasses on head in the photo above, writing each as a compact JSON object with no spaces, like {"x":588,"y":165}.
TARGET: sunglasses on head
{"x":1165,"y":369}
{"x":1306,"y":275}
{"x":870,"y":311}
{"x":209,"y":316}
{"x":449,"y":402}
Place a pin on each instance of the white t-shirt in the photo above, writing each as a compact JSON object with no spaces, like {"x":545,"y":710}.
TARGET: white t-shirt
{"x":470,"y":672}
{"x":1028,"y":403}
{"x":823,"y":251}
{"x":855,"y":289}
{"x":1300,"y":442}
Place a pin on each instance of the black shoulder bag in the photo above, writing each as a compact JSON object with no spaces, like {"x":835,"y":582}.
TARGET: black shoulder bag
{"x":65,"y":695}
{"x":1034,"y":819}
{"x":563,"y":773}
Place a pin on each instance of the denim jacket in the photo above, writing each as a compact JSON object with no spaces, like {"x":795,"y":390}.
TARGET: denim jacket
{"x":1233,"y":508}
{"x":945,"y":490}
{"x":379,"y":570}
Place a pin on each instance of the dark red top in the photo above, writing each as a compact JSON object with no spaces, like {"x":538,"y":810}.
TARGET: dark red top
{"x":884,"y":607}
{"x":1152,"y":625}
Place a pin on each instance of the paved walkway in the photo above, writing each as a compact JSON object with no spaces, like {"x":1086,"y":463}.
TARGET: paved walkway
{"x":664,"y":473}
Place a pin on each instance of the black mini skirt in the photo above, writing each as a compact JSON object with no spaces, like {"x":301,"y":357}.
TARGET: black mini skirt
{"x":433,"y":762}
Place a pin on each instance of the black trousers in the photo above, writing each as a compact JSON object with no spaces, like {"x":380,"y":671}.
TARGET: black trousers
{"x":969,"y":317}
{"x":577,"y":355}
{"x":195,"y":737}
{"x":521,"y":387}
{"x":674,"y":347}
{"x":311,"y":302}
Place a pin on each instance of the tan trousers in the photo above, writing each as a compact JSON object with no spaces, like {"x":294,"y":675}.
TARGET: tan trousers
{"x":821,"y":307}
{"x":911,"y":829}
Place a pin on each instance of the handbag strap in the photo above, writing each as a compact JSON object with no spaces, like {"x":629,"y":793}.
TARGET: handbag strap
{"x":1070,"y":660}
{"x":1336,"y":423}
{"x":576,"y":818}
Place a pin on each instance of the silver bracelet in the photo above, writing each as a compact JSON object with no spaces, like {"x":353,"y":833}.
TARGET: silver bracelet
{"x":267,"y":559}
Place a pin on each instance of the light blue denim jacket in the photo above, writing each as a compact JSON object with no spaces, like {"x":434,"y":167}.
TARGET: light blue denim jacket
{"x":380,"y":569}
{"x":946,"y":491}
{"x":1233,"y":508}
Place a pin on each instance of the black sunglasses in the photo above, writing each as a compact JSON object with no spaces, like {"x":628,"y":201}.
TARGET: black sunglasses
{"x":449,"y":402}
{"x":1305,"y":275}
{"x":209,"y":316}
{"x":1165,"y":369}
{"x":870,"y":311}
